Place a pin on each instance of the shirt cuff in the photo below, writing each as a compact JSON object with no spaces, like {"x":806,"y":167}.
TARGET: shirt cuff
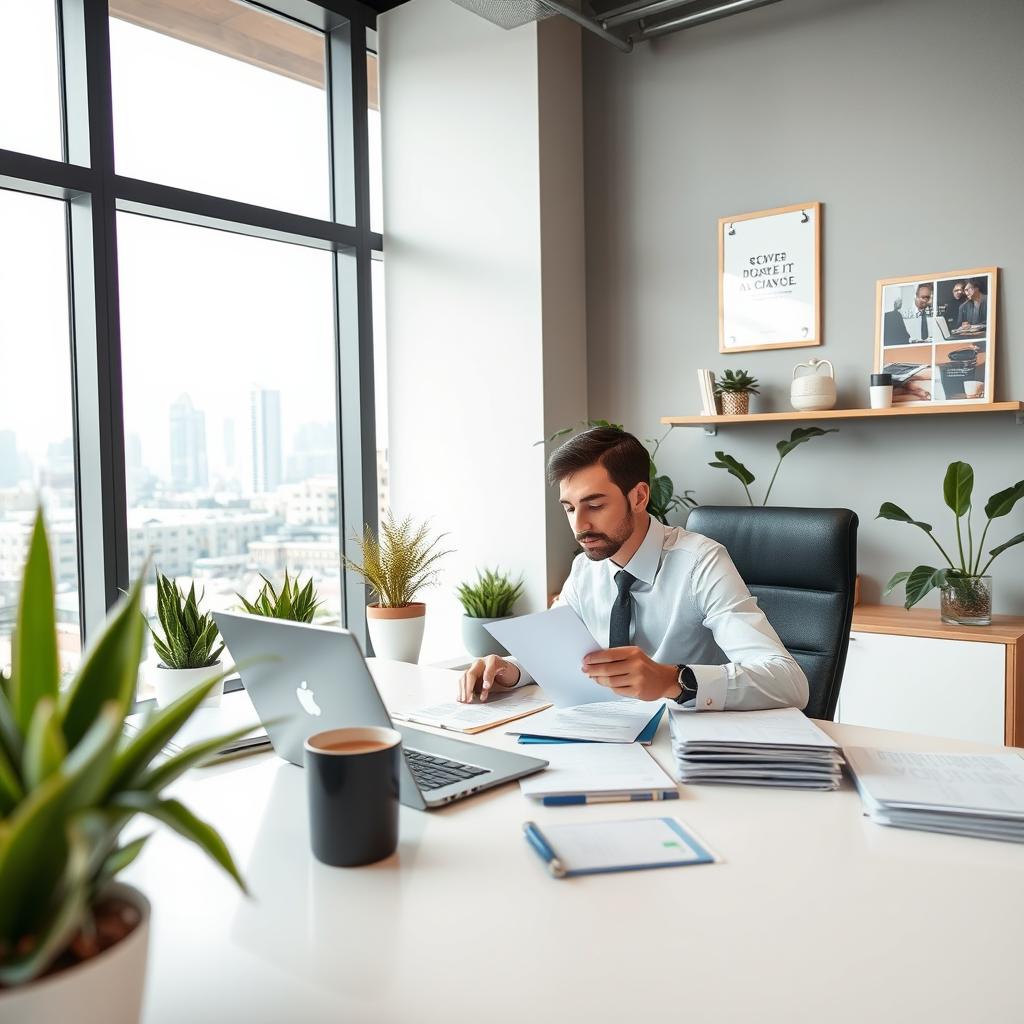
{"x":524,"y":676}
{"x":712,"y":683}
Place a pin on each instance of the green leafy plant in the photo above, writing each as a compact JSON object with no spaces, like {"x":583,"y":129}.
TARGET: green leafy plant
{"x":492,"y":596}
{"x":295,"y":603}
{"x":957,"y":491}
{"x":188,"y":634}
{"x":737,"y":382}
{"x":783,"y":447}
{"x":400,"y":562}
{"x":71,"y":780}
{"x":663,"y":498}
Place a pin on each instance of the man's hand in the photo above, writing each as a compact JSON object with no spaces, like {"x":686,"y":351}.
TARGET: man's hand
{"x":484,"y":674}
{"x":631,"y":673}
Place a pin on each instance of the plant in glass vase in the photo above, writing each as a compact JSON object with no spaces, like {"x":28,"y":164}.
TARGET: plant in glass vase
{"x":966,"y":589}
{"x":735,"y":388}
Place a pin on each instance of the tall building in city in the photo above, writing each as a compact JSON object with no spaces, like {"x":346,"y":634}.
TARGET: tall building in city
{"x":188,"y":446}
{"x":266,"y":439}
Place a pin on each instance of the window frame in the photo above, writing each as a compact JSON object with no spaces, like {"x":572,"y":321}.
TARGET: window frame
{"x":94,"y":193}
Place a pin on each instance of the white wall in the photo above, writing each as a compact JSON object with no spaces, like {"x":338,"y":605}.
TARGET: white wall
{"x":474,"y":313}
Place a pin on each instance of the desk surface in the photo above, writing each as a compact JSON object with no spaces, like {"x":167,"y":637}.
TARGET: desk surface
{"x":816,"y":913}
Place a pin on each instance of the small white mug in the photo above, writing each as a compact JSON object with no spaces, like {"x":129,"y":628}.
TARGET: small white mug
{"x":881,"y":396}
{"x":974,"y":388}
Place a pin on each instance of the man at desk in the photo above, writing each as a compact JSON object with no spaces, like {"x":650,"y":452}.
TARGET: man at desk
{"x":679,"y":621}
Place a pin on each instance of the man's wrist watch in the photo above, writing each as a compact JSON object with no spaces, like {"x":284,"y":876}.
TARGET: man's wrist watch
{"x":687,"y":684}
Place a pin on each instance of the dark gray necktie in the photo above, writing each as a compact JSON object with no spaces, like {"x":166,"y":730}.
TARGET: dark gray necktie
{"x":924,"y":326}
{"x":622,"y":611}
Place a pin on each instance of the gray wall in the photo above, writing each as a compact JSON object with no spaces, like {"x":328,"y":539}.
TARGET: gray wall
{"x":850,"y":102}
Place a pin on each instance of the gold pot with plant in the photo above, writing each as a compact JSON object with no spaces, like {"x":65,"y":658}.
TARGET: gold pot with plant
{"x":735,"y":388}
{"x":966,"y":589}
{"x":396,"y":566}
{"x":73,"y":942}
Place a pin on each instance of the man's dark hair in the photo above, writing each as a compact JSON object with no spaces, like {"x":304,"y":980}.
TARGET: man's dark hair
{"x":924,"y":284}
{"x":626,"y":459}
{"x":979,"y":283}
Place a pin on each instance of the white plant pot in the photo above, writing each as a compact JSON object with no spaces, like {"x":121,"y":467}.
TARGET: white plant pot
{"x":107,"y":989}
{"x":477,"y":641}
{"x":397,"y":633}
{"x":172,"y":683}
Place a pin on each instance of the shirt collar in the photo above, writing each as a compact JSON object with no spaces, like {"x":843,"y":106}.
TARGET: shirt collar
{"x":646,"y":559}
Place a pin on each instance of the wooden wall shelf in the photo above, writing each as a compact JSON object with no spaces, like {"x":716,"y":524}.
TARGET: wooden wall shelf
{"x":712,"y":423}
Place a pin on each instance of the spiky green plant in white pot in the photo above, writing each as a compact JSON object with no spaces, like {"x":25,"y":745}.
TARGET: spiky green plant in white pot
{"x":73,"y":942}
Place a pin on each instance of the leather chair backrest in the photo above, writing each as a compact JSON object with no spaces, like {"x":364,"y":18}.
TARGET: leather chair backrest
{"x":801,"y":565}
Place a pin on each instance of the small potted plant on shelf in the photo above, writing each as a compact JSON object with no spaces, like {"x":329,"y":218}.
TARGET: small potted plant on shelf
{"x":397,"y":565}
{"x":966,"y":590}
{"x":490,"y":598}
{"x":735,"y":387}
{"x":73,"y":941}
{"x":186,"y":648}
{"x":292,"y":602}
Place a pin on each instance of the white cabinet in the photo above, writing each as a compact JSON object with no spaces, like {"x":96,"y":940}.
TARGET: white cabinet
{"x":953,"y":688}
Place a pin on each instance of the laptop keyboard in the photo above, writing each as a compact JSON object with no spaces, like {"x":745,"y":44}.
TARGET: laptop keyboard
{"x":431,"y":772}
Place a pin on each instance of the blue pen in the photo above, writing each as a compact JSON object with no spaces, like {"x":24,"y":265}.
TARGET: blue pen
{"x":607,"y":798}
{"x":539,"y":843}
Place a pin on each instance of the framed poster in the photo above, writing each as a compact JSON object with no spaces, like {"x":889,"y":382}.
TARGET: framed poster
{"x":769,"y":279}
{"x":936,"y":335}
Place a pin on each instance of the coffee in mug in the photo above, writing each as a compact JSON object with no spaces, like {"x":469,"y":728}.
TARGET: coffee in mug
{"x":352,"y":780}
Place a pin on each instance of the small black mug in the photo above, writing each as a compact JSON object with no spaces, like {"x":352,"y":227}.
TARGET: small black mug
{"x":352,"y":781}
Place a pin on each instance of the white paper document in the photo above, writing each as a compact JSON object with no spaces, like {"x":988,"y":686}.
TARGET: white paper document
{"x":776,"y":728}
{"x":552,"y":646}
{"x":597,"y":769}
{"x":619,"y":721}
{"x":988,"y":784}
{"x":496,"y":710}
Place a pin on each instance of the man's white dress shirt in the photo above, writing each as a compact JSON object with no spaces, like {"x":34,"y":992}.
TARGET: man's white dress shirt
{"x":691,"y":607}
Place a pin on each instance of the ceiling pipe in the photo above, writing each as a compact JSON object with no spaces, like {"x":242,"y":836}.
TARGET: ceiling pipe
{"x":625,"y":45}
{"x":701,"y":17}
{"x":633,"y":12}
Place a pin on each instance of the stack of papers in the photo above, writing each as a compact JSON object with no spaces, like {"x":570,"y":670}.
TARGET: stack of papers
{"x":598,"y":772}
{"x":780,"y":747}
{"x":961,"y":794}
{"x":617,"y":721}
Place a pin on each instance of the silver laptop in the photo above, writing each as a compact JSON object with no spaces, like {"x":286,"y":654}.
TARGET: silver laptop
{"x":304,"y":679}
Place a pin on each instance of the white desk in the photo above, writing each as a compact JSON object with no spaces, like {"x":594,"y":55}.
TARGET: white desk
{"x":817,"y":915}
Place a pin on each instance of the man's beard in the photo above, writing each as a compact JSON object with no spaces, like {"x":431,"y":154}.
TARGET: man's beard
{"x":608,"y":543}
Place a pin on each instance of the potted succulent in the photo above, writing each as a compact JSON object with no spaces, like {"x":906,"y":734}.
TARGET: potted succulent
{"x":186,"y":648}
{"x":73,"y":942}
{"x":295,"y":603}
{"x":735,"y":388}
{"x":966,"y":589}
{"x":783,"y":447}
{"x":491,"y":597}
{"x":396,"y":566}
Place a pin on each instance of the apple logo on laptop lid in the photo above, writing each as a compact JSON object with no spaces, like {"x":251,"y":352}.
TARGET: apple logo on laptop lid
{"x":307,"y":699}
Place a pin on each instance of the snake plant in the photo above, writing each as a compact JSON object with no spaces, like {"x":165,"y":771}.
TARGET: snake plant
{"x":71,"y":779}
{"x":491,"y":596}
{"x":188,"y":635}
{"x":295,"y":603}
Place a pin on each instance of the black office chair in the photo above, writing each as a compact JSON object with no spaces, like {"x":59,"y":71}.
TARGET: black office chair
{"x":801,"y":565}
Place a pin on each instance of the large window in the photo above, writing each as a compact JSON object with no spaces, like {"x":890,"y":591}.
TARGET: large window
{"x":229,"y":409}
{"x":205,"y":397}
{"x":36,"y":442}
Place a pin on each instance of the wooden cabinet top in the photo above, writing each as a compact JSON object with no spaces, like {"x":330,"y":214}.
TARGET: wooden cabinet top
{"x":895,"y":620}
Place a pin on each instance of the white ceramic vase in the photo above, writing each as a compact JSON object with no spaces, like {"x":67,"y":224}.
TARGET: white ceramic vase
{"x":172,"y":683}
{"x":813,"y":391}
{"x":397,"y":633}
{"x":107,"y":989}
